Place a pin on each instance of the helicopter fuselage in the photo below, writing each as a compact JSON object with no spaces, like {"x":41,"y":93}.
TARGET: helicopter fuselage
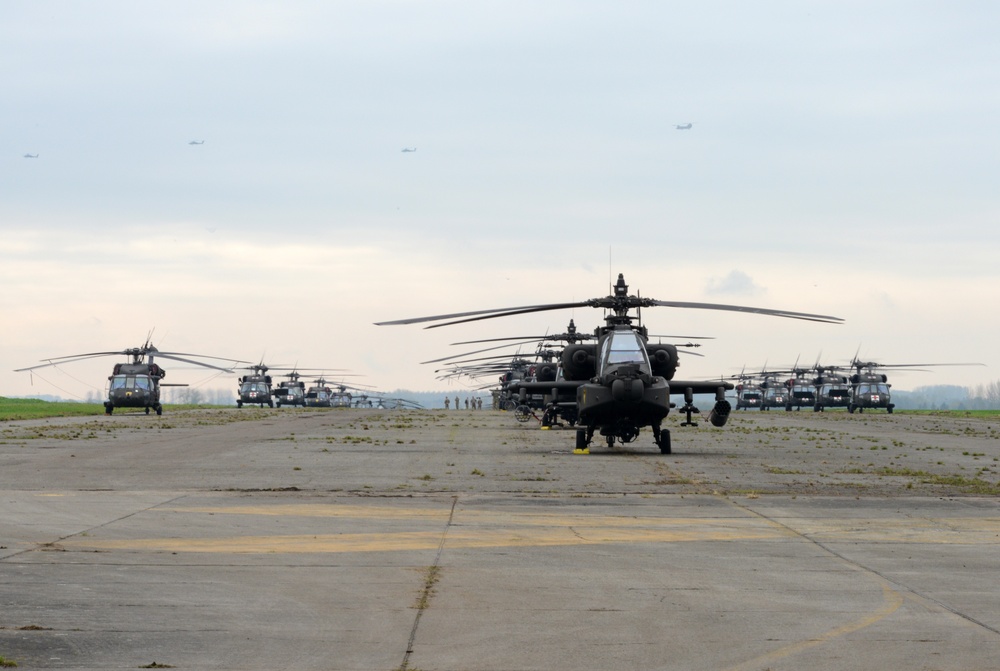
{"x":870,"y":391}
{"x":290,"y":393}
{"x":135,"y":385}
{"x":255,"y":390}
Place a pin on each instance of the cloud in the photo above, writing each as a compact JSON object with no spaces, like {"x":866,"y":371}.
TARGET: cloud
{"x":736,"y":283}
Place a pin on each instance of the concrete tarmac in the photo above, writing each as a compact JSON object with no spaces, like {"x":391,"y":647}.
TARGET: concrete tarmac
{"x":363,"y":540}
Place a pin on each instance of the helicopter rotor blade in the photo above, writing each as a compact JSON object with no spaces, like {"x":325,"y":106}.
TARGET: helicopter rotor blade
{"x":743,"y":308}
{"x":192,"y":361}
{"x":483,"y":314}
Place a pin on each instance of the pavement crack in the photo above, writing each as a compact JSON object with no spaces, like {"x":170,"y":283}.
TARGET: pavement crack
{"x":54,"y":545}
{"x":866,"y":569}
{"x":431,"y":576}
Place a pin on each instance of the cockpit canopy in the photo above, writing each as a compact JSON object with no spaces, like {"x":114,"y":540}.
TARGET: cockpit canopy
{"x":143,"y":382}
{"x":624,"y":347}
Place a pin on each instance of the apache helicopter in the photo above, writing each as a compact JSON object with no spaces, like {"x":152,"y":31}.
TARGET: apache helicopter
{"x":870,"y":389}
{"x":556,"y":404}
{"x":622,"y":382}
{"x":136,"y":384}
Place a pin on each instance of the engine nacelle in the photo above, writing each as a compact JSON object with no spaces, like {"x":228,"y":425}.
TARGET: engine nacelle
{"x":663,"y":359}
{"x":546,"y":372}
{"x":579,"y":362}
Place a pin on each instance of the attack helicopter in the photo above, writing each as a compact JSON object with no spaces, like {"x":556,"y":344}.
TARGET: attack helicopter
{"x":556,"y":404}
{"x":870,"y":388}
{"x":136,"y":384}
{"x":622,"y":382}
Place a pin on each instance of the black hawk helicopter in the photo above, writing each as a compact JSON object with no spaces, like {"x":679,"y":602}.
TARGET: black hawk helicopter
{"x":136,"y":384}
{"x":832,"y":388}
{"x":622,"y":382}
{"x":870,"y":388}
{"x":255,"y":388}
{"x":775,"y":394}
{"x":749,"y":394}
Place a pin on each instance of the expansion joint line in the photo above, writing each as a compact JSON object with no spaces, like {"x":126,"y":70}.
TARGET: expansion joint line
{"x":52,"y":544}
{"x":430,"y":579}
{"x":866,"y":569}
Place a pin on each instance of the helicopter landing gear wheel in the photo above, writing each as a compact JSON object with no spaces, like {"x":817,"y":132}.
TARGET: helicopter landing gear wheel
{"x":581,"y":439}
{"x":239,"y":404}
{"x":159,"y":409}
{"x":850,"y":409}
{"x":270,"y":404}
{"x":663,"y":441}
{"x":611,"y":441}
{"x":522,"y":413}
{"x":108,"y":407}
{"x":147,"y":409}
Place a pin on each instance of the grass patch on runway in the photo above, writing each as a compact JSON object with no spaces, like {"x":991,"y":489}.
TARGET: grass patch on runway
{"x":962,"y":483}
{"x":33,"y":408}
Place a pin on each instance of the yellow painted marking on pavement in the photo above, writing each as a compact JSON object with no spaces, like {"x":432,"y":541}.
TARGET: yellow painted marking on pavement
{"x":891,"y":602}
{"x":316,"y":510}
{"x":493,"y":529}
{"x":410,"y":541}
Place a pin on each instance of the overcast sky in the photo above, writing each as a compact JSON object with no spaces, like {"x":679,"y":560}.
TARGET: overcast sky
{"x":843,"y":160}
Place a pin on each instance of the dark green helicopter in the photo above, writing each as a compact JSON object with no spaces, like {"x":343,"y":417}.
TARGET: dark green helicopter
{"x":533,"y":390}
{"x":136,"y":384}
{"x":623,"y":382}
{"x":255,"y":388}
{"x":870,"y":388}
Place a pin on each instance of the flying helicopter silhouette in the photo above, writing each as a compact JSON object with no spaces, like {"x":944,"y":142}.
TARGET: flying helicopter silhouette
{"x":136,"y":384}
{"x":623,"y":382}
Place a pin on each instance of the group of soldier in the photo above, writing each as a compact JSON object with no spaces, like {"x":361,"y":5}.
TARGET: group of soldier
{"x":475,"y":403}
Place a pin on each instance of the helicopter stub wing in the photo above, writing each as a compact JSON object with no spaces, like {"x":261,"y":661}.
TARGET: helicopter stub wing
{"x":699,"y":387}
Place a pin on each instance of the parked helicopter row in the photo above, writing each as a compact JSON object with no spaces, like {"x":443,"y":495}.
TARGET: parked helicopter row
{"x":137,"y":383}
{"x":821,"y":387}
{"x":622,"y":382}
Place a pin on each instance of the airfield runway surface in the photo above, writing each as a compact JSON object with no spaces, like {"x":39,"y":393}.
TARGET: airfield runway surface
{"x":462,"y":541}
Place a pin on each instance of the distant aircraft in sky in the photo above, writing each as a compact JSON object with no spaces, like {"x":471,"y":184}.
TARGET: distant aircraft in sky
{"x":31,"y":156}
{"x":196,"y":142}
{"x":686,"y":126}
{"x":409,"y":149}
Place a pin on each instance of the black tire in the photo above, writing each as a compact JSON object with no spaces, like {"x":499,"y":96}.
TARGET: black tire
{"x":159,"y":409}
{"x":581,"y":439}
{"x":664,"y":442}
